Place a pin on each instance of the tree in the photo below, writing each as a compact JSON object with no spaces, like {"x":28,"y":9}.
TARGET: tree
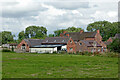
{"x":58,"y":32}
{"x":7,"y":37}
{"x":51,"y":35}
{"x":21,"y":35}
{"x":115,"y":45}
{"x":69,"y":29}
{"x":107,"y":29}
{"x":35,"y":32}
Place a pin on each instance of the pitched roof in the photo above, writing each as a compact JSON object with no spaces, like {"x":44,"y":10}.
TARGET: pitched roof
{"x":33,"y":42}
{"x":117,"y":35}
{"x":107,"y":42}
{"x":47,"y":46}
{"x":81,"y":36}
{"x":13,"y":44}
{"x":58,"y":40}
{"x":90,"y":43}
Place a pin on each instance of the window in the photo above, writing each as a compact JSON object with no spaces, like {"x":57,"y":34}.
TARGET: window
{"x":54,"y":40}
{"x":80,"y":50}
{"x":75,"y":41}
{"x":71,"y":49}
{"x":63,"y":40}
{"x":47,"y":41}
{"x":98,"y":50}
{"x":70,"y":41}
{"x":80,"y":44}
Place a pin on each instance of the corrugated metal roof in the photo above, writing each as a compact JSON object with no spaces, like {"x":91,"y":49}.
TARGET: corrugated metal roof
{"x":33,"y":42}
{"x":51,"y":40}
{"x":46,"y":46}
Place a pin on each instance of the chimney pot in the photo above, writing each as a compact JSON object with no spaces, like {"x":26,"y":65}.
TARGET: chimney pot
{"x":67,"y":35}
{"x":64,"y":32}
{"x":81,"y":31}
{"x":98,"y":31}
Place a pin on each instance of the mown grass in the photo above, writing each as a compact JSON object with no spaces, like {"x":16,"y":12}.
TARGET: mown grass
{"x":27,"y":65}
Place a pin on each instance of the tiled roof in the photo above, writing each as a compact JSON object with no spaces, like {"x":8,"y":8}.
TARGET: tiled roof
{"x":107,"y":42}
{"x":81,"y":36}
{"x":33,"y":42}
{"x":117,"y":36}
{"x":89,"y":43}
{"x":59,"y":40}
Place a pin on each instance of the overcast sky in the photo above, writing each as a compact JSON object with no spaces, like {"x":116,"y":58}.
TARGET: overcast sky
{"x":16,"y":15}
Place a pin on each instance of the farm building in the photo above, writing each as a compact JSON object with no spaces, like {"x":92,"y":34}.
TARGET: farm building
{"x":51,"y":44}
{"x":110,"y":40}
{"x":10,"y":45}
{"x":70,"y":42}
{"x":84,"y":41}
{"x":26,"y":44}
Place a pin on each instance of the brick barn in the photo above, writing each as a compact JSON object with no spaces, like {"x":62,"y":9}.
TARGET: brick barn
{"x":84,"y":41}
{"x":26,"y":44}
{"x":110,"y":40}
{"x":68,"y":41}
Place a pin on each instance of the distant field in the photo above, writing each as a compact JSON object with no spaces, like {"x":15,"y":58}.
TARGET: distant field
{"x":27,"y":65}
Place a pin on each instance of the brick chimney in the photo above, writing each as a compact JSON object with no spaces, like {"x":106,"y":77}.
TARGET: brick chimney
{"x":64,"y":32}
{"x":98,"y":31}
{"x":67,"y":35}
{"x":81,"y":31}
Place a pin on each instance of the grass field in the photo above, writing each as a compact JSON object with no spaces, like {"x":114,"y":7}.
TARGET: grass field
{"x":27,"y":65}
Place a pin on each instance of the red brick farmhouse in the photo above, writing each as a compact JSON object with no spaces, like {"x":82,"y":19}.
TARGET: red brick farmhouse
{"x":70,"y":42}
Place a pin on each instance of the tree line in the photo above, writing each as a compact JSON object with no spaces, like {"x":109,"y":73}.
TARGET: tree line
{"x":107,"y":29}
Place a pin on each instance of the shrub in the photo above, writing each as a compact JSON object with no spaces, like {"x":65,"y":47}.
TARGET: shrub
{"x":54,"y":52}
{"x":6,"y":50}
{"x":108,"y":54}
{"x":12,"y":49}
{"x":115,"y":46}
{"x":88,"y":53}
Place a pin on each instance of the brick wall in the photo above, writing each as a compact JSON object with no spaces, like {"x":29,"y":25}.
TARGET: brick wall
{"x":109,"y":40}
{"x":21,"y":43}
{"x":81,"y":47}
{"x":71,"y":44}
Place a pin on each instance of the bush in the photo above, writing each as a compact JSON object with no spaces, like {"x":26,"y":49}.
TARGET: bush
{"x":54,"y":52}
{"x":114,"y":46}
{"x":88,"y":53}
{"x":108,"y":54}
{"x":6,"y":50}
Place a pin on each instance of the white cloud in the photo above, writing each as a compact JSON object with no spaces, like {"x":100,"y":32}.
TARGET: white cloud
{"x":53,"y":15}
{"x":112,"y":14}
{"x":21,"y":8}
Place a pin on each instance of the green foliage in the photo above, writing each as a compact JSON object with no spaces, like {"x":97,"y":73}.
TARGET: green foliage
{"x":35,"y":32}
{"x":12,"y":49}
{"x":115,"y":45}
{"x":6,"y":50}
{"x":107,"y":29}
{"x":69,"y":29}
{"x":7,"y":37}
{"x":21,"y":35}
{"x":58,"y":32}
{"x":51,"y":35}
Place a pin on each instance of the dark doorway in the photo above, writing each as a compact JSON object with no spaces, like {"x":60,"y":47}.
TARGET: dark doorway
{"x":23,"y":46}
{"x":58,"y":48}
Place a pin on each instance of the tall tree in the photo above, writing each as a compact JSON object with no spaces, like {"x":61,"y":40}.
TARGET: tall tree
{"x":21,"y":35}
{"x":114,"y":46}
{"x":51,"y":35}
{"x":107,"y":29}
{"x":7,"y":37}
{"x":35,"y":32}
{"x":69,"y":29}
